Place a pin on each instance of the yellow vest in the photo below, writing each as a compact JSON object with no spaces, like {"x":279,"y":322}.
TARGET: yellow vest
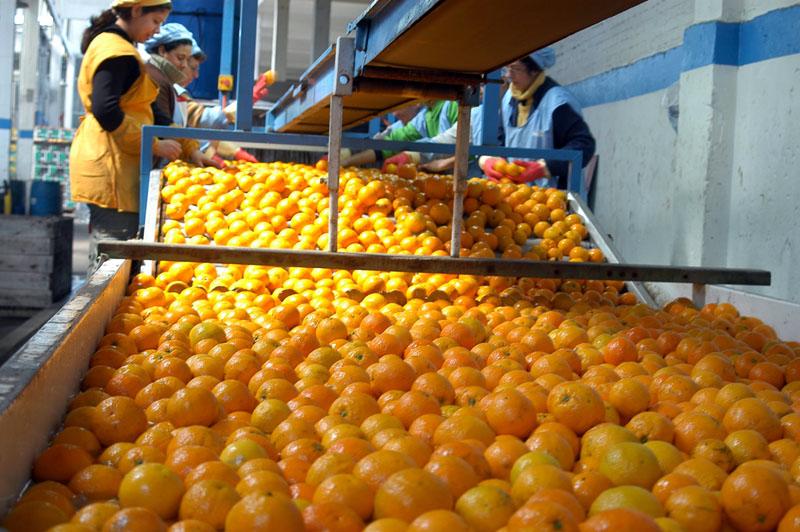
{"x":103,"y":165}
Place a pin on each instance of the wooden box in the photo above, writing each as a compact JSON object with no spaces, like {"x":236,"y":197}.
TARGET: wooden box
{"x":35,"y":261}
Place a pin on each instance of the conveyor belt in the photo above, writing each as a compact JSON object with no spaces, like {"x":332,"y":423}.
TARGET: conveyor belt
{"x":407,"y":50}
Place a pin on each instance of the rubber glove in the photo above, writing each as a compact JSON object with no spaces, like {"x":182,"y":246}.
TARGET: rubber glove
{"x":242,"y":155}
{"x":399,"y":160}
{"x":220,"y":162}
{"x":200,"y":159}
{"x":533,"y":170}
{"x":260,"y":89}
{"x":487,"y":164}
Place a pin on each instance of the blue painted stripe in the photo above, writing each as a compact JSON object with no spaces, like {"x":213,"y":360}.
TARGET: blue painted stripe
{"x":710,"y":43}
{"x":25,"y":133}
{"x":645,"y":75}
{"x":5,"y":123}
{"x":773,"y":34}
{"x":768,"y":36}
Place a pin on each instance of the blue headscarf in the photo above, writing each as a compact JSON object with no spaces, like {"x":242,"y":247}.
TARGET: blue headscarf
{"x":197,"y":51}
{"x":169,"y":33}
{"x":545,"y":58}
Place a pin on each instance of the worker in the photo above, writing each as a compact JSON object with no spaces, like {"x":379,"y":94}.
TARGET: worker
{"x":439,"y":162}
{"x":536,"y":112}
{"x":187,"y":111}
{"x":117,"y":94}
{"x":169,"y":51}
{"x":191,"y":113}
{"x":426,"y":124}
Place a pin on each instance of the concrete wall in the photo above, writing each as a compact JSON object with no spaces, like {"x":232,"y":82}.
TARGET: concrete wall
{"x":720,"y":186}
{"x":633,"y":201}
{"x":646,"y":29}
{"x":765,"y":191}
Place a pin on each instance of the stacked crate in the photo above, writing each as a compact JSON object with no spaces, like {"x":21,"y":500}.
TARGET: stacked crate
{"x":51,"y":158}
{"x":35,"y":262}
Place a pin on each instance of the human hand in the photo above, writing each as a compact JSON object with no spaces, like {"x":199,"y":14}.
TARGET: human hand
{"x":167,"y":149}
{"x":532,"y":170}
{"x":200,"y":159}
{"x":438,"y":166}
{"x":243,"y":155}
{"x":398,"y":160}
{"x":493,"y":167}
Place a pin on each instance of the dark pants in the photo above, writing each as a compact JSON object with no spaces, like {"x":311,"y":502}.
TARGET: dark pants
{"x":109,"y":224}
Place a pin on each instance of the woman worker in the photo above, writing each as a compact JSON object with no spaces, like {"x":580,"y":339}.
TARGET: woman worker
{"x":170,"y":50}
{"x":426,"y":124}
{"x":118,"y":95}
{"x":190,"y":113}
{"x":536,"y":112}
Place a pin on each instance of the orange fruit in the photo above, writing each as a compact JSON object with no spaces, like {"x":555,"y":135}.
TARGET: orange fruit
{"x":576,"y":405}
{"x":60,"y":462}
{"x":695,"y":508}
{"x":265,"y":511}
{"x":411,"y":492}
{"x":629,"y":463}
{"x":152,"y":486}
{"x":627,"y":497}
{"x":485,"y":508}
{"x":755,"y":497}
{"x":208,"y":501}
{"x":348,"y":490}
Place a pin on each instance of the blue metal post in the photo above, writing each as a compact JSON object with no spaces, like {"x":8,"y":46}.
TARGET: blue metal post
{"x":374,"y":127}
{"x":491,"y":110}
{"x":575,"y":179}
{"x":145,"y":165}
{"x":248,"y":17}
{"x":226,"y":49}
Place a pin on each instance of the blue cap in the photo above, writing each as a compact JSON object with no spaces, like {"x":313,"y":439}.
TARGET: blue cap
{"x":545,"y":58}
{"x":198,"y":52}
{"x":169,"y":33}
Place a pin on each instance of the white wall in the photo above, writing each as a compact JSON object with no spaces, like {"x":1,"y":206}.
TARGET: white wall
{"x":633,"y":196}
{"x":764,"y":227}
{"x":723,"y":190}
{"x":754,"y":8}
{"x":641,"y":31}
{"x":300,"y":25}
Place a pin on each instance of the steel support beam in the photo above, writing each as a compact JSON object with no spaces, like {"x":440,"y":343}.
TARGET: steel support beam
{"x":226,"y":45}
{"x":343,"y":86}
{"x":280,"y":37}
{"x":320,"y":39}
{"x":7,"y":10}
{"x":26,"y":112}
{"x":247,"y":60}
{"x":137,"y":250}
{"x":460,"y":176}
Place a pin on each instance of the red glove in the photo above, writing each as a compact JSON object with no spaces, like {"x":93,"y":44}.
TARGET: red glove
{"x":533,"y":170}
{"x":399,"y":160}
{"x":219,"y":160}
{"x":487,"y":165}
{"x":260,"y":89}
{"x":242,"y":155}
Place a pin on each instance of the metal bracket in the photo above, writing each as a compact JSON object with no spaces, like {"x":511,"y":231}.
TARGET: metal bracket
{"x":343,"y":67}
{"x":471,"y":96}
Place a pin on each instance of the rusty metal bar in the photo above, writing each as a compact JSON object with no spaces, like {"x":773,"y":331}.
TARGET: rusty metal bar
{"x":421,"y":75}
{"x":334,"y":150}
{"x":138,"y":250}
{"x":408,"y":89}
{"x":460,"y":176}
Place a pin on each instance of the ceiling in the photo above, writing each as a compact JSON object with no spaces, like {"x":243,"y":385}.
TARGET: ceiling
{"x":301,"y":23}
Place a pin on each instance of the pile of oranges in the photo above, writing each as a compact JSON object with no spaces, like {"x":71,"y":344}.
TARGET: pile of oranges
{"x":285,"y":206}
{"x":248,"y":398}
